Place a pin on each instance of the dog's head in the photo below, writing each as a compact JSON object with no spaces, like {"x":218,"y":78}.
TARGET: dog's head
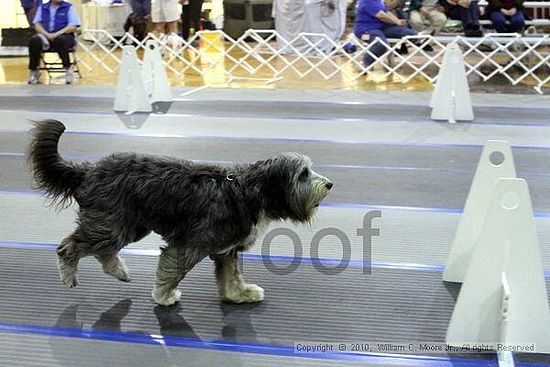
{"x":292,"y":189}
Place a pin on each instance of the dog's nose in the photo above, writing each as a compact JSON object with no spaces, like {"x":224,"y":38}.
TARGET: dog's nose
{"x":329,"y":185}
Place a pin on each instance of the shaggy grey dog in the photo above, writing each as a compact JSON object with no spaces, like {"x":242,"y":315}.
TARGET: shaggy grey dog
{"x":199,"y":210}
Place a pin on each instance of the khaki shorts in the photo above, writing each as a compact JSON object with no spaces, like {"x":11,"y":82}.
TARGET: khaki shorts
{"x":165,"y":11}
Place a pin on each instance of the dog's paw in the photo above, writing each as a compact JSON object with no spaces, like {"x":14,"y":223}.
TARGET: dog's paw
{"x":67,"y":274}
{"x":116,"y":267}
{"x":70,"y":280}
{"x":248,"y":293}
{"x":120,"y":272}
{"x":166,"y":298}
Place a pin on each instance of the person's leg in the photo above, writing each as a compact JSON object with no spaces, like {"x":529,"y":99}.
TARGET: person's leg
{"x":460,"y":13}
{"x":29,"y":15}
{"x":376,"y":49}
{"x":517,"y":22}
{"x":157,"y":17}
{"x":159,"y":28}
{"x":499,"y":21}
{"x":396,"y":31}
{"x":35,"y":50}
{"x":469,"y":18}
{"x":62,"y":45}
{"x":171,"y":14}
{"x":438,"y":20}
{"x":196,"y":10}
{"x":172,"y":27}
{"x":185,"y":21}
{"x":473,"y":15}
{"x":416,"y":20}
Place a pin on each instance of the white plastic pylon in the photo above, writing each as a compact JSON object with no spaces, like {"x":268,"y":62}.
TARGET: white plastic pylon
{"x":154,"y":74}
{"x":451,"y":96}
{"x":496,"y":162}
{"x":503,"y":298}
{"x":130,"y":92}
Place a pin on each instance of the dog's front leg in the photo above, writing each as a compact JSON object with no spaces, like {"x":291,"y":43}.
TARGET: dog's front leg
{"x":174,"y":263}
{"x":231,"y":286}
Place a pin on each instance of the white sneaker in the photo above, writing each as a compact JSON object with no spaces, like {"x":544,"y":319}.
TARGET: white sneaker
{"x":69,"y":75}
{"x":34,"y":76}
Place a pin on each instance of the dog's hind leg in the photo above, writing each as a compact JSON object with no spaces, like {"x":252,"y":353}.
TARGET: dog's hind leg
{"x":114,"y":265}
{"x":231,"y":286}
{"x":111,"y":262}
{"x":174,"y":263}
{"x":108,"y":242}
{"x":69,"y":253}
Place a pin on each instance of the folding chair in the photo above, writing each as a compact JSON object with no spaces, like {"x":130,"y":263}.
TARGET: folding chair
{"x":52,"y":66}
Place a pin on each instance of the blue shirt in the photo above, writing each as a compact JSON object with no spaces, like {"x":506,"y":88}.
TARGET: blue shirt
{"x":365,"y":19}
{"x":73,"y":18}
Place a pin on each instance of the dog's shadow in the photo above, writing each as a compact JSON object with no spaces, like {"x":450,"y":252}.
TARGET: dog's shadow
{"x":84,"y":348}
{"x":237,"y":321}
{"x":172,"y":323}
{"x":73,"y":352}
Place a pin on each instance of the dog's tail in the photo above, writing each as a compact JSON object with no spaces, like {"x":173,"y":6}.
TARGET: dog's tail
{"x":53,"y":174}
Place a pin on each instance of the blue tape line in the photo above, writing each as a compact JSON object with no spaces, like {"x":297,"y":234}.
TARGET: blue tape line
{"x":320,"y":165}
{"x":264,"y":258}
{"x":324,"y":141}
{"x":302,"y":141}
{"x":284,"y":102}
{"x":307,"y":118}
{"x":266,"y":349}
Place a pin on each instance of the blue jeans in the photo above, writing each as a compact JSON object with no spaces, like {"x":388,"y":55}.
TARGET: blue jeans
{"x":517,"y":22}
{"x":140,"y":7}
{"x":468,"y":16}
{"x":388,"y":31}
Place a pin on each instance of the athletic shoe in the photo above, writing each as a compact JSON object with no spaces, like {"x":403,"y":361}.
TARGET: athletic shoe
{"x":34,"y":76}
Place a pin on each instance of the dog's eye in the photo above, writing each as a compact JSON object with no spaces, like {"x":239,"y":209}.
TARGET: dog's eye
{"x":304,"y":174}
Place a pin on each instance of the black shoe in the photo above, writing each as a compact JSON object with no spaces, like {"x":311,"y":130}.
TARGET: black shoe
{"x":426,"y":47}
{"x":403,"y":50}
{"x":473,"y":33}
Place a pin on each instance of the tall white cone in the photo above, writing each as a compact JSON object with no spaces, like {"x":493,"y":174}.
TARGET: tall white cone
{"x":130,"y":92}
{"x":503,"y":298}
{"x":154,"y":74}
{"x":451,"y":96}
{"x":496,"y":162}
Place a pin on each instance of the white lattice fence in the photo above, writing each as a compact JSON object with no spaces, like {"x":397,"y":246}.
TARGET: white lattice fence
{"x":256,"y":55}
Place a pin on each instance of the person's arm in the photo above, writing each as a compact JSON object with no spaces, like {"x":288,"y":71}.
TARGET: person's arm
{"x":494,"y":5}
{"x":41,"y":30}
{"x":37,"y":21}
{"x":388,"y":17}
{"x":67,"y":29}
{"x":463,"y":3}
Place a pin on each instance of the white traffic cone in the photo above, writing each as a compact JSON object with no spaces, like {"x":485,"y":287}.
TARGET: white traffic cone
{"x":154,"y":74}
{"x":451,"y":96}
{"x":130,"y":93}
{"x":496,"y":162}
{"x":503,"y":299}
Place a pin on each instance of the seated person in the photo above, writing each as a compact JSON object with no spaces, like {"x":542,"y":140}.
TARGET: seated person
{"x":141,"y":12}
{"x":500,"y":11}
{"x":55,"y":23}
{"x":374,"y":20}
{"x":467,"y":11}
{"x":427,"y":11}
